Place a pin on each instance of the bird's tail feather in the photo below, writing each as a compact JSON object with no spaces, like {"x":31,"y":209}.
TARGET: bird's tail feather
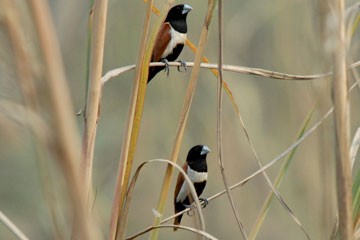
{"x":177,"y":221}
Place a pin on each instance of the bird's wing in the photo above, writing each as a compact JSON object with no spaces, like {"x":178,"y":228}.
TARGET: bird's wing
{"x":179,"y":182}
{"x":162,"y":40}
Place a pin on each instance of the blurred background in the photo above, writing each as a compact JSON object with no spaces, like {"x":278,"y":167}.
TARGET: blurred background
{"x":278,"y":35}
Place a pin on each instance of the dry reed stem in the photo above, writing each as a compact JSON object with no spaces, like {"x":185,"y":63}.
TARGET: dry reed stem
{"x":63,"y":124}
{"x":12,"y":227}
{"x":93,"y":93}
{"x":131,"y":132}
{"x":202,"y":233}
{"x":219,"y":119}
{"x":231,"y":68}
{"x":130,"y":191}
{"x":184,"y":115}
{"x":27,"y":84}
{"x":342,"y":126}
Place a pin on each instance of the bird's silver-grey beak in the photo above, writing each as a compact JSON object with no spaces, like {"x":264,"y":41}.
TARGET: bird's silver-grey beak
{"x":205,"y":150}
{"x":186,"y":9}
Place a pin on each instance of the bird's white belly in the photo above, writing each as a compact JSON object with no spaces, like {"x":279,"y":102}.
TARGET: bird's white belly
{"x":195,"y":177}
{"x":175,"y":39}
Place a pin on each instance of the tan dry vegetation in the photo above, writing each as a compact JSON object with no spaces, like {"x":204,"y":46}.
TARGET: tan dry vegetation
{"x":280,"y":36}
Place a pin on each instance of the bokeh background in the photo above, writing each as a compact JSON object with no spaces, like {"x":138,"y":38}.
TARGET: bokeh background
{"x":279,"y":35}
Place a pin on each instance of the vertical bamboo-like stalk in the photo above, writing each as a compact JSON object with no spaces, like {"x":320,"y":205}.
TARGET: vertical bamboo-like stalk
{"x":342,"y":126}
{"x":94,"y":92}
{"x":184,"y":115}
{"x":65,"y":132}
{"x":133,"y":125}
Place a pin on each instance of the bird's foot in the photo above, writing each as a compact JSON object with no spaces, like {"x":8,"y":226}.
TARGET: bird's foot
{"x":204,"y":202}
{"x":191,"y":207}
{"x":167,"y":68}
{"x":183,"y":64}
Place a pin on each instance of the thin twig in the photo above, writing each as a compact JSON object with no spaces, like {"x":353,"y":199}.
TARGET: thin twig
{"x":231,"y":68}
{"x":202,"y":233}
{"x":219,"y":122}
{"x":12,"y":227}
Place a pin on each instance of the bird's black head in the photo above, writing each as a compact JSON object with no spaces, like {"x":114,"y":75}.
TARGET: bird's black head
{"x":196,"y":158}
{"x":177,"y":17}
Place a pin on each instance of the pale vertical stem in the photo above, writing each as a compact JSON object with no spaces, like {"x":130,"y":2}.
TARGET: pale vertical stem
{"x":12,"y":19}
{"x":183,"y":116}
{"x":219,"y":120}
{"x":130,"y":136}
{"x":342,"y":126}
{"x":94,"y":92}
{"x":65,"y":132}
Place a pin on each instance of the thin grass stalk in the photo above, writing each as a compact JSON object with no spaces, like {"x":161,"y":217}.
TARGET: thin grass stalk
{"x":64,"y":128}
{"x":27,"y":84}
{"x":133,"y":125}
{"x":342,"y":127}
{"x":12,"y":227}
{"x":91,"y":115}
{"x":219,"y":120}
{"x":88,"y":50}
{"x":231,"y":68}
{"x":266,"y":206}
{"x":152,"y":228}
{"x":184,"y":115}
{"x":130,"y":191}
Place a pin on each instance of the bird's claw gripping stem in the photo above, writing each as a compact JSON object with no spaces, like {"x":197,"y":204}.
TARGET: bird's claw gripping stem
{"x":167,"y":68}
{"x":183,"y":64}
{"x":204,"y":202}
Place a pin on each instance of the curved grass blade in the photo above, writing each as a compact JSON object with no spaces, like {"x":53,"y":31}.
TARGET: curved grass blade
{"x":202,"y":233}
{"x":280,"y":176}
{"x":130,"y":191}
